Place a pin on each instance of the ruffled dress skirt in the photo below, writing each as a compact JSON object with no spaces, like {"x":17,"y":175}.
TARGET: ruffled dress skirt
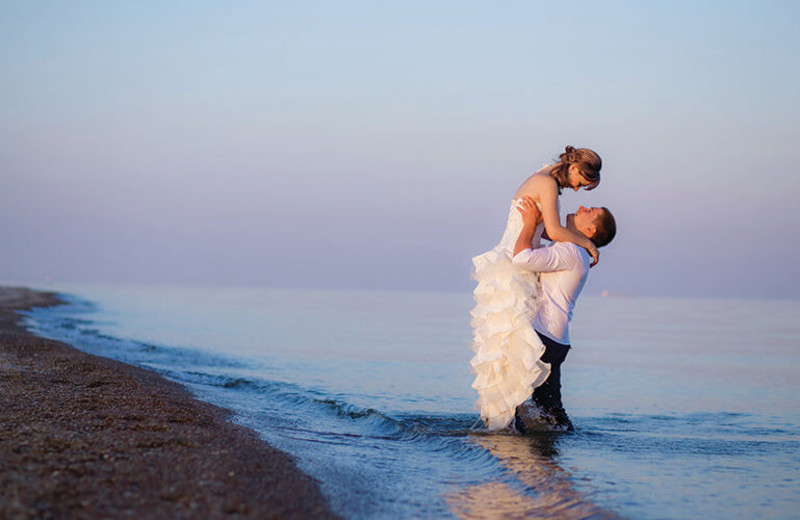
{"x":507,"y":361}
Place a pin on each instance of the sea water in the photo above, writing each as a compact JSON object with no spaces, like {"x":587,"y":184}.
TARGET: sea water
{"x":682,"y":408}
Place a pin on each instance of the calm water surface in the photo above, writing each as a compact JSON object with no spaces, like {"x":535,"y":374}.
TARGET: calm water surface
{"x":683,"y":408}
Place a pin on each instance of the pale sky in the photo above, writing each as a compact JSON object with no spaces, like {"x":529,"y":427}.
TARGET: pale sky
{"x":377,"y":145}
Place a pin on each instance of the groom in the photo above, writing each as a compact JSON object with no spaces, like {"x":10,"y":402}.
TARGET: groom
{"x":563,"y":268}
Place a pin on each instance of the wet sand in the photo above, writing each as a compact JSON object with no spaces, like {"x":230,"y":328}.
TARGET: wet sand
{"x":88,"y":437}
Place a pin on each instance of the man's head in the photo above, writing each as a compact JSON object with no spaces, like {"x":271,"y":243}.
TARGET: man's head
{"x":597,"y":224}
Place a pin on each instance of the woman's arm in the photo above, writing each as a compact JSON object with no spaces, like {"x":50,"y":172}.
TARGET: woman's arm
{"x":548,"y":200}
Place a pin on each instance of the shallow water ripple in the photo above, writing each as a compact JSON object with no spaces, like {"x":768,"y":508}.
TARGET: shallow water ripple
{"x":675,"y":418}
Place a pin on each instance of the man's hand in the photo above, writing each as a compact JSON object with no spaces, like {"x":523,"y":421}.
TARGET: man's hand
{"x":531,"y":216}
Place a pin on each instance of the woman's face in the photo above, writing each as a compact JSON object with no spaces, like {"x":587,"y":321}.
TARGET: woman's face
{"x":576,"y":180}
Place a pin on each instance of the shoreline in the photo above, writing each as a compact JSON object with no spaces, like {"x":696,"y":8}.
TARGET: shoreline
{"x":83,"y":436}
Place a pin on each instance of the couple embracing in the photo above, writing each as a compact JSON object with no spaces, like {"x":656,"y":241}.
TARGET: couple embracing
{"x":526,"y":293}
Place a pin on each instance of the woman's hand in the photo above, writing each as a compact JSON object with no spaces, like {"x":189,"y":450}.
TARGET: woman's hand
{"x":531,"y":216}
{"x":595,"y":255}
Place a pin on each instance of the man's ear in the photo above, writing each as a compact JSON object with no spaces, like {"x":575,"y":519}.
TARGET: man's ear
{"x":590,"y":230}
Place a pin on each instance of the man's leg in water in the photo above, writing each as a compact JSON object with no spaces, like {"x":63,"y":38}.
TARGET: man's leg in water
{"x":548,"y":395}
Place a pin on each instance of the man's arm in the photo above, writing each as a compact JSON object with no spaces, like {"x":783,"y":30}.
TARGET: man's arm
{"x":556,"y":257}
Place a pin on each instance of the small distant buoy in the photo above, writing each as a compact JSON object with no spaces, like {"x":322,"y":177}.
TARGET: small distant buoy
{"x":604,"y":294}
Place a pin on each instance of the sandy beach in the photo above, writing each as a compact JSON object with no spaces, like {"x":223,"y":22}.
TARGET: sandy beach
{"x":87,"y":437}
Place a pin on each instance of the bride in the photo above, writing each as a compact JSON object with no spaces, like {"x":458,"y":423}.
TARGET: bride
{"x":507,"y":350}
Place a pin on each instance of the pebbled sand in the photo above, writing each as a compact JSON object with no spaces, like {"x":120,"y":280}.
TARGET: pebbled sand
{"x":87,"y":437}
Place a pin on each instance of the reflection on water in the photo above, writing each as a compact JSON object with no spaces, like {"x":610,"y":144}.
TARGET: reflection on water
{"x":541,"y":487}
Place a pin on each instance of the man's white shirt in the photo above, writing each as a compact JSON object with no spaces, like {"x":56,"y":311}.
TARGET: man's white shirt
{"x":563,"y":268}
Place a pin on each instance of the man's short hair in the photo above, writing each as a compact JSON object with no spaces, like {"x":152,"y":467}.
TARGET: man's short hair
{"x":605,"y":229}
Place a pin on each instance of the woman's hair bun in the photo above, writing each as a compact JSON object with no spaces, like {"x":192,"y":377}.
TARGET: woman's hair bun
{"x":569,"y":156}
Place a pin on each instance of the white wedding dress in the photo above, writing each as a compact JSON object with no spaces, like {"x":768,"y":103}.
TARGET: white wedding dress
{"x":507,"y":363}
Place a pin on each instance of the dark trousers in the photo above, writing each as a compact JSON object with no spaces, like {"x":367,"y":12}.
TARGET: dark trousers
{"x":548,"y":395}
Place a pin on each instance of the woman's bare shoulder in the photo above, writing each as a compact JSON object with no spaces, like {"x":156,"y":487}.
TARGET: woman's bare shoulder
{"x":535,"y":183}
